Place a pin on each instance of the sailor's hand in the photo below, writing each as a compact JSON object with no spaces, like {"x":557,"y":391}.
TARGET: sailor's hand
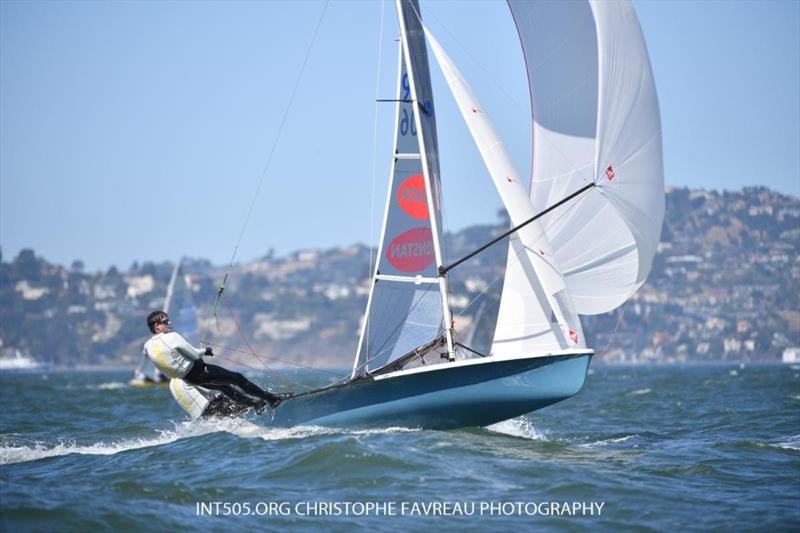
{"x":208,"y":352}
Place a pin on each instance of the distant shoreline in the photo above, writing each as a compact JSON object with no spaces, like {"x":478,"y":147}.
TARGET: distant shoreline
{"x":125,"y":368}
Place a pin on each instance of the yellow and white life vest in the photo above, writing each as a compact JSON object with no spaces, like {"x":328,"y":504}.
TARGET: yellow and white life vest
{"x":172,"y":354}
{"x":193,"y":399}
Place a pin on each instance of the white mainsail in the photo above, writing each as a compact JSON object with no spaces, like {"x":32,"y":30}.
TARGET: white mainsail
{"x":179,"y":304}
{"x":407,"y":305}
{"x":595,"y":119}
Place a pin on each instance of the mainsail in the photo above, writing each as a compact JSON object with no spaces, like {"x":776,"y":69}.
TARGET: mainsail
{"x":407,"y":305}
{"x":180,"y":307}
{"x":595,"y":119}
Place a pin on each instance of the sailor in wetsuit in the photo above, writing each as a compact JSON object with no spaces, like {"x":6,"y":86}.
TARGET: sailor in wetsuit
{"x":175,"y":357}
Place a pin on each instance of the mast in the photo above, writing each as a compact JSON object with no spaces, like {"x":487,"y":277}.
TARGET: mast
{"x":413,"y":40}
{"x":407,"y":305}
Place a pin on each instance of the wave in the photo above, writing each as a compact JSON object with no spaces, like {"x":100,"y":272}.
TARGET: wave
{"x":789,"y":443}
{"x":607,"y":442}
{"x":114,"y":385}
{"x":19,"y":454}
{"x":518,"y":427}
{"x":247,"y":429}
{"x":639,"y":392}
{"x":15,"y":453}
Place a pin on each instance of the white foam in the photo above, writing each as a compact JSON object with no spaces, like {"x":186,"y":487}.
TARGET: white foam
{"x":248,"y":430}
{"x":114,"y":385}
{"x":240,"y":427}
{"x":20,"y":454}
{"x":791,"y":443}
{"x":639,"y":392}
{"x":606,"y":442}
{"x":518,"y":427}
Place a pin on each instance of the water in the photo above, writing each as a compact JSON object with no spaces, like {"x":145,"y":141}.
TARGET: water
{"x":695,"y":447}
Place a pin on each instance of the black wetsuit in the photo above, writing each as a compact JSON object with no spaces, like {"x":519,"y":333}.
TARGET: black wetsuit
{"x":224,"y":406}
{"x":218,"y":378}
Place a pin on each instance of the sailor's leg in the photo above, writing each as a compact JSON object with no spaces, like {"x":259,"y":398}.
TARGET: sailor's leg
{"x":238,"y":397}
{"x":216,"y":377}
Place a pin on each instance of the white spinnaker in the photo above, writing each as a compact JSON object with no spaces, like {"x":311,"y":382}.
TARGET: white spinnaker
{"x":538,"y":317}
{"x":595,"y":118}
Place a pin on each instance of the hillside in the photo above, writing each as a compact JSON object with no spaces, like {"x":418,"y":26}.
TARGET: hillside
{"x":725,"y":286}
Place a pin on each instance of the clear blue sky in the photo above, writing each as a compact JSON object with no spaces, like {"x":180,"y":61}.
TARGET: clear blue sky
{"x":140,"y":130}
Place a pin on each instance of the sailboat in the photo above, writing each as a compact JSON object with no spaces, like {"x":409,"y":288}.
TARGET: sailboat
{"x":179,"y":305}
{"x":582,"y":240}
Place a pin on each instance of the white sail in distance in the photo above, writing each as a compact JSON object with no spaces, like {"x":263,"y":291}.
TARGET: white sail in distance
{"x":179,"y":305}
{"x":595,"y":118}
{"x":539,"y":318}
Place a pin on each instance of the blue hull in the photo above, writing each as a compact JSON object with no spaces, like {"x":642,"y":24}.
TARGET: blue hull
{"x":444,"y":398}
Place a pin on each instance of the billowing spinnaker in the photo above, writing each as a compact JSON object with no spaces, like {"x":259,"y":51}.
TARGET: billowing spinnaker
{"x":595,"y":118}
{"x":536,"y":315}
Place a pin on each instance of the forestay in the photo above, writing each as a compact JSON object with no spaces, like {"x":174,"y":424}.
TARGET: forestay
{"x":538,"y":317}
{"x":595,"y":119}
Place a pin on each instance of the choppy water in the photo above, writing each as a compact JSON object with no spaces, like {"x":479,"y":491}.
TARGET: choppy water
{"x":695,"y":447}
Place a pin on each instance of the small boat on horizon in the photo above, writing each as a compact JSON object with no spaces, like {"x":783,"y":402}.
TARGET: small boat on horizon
{"x":20,"y":362}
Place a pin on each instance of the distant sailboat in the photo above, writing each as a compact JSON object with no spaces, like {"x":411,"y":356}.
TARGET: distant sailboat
{"x":19,"y":362}
{"x":583,"y":240}
{"x":179,"y":305}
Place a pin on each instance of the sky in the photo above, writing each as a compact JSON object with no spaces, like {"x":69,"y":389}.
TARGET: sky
{"x":145,"y":131}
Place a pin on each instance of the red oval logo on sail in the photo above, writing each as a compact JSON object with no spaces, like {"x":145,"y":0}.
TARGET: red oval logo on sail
{"x":412,"y":199}
{"x":412,"y":250}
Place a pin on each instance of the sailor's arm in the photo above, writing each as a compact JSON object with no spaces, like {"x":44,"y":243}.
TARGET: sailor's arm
{"x":186,"y":349}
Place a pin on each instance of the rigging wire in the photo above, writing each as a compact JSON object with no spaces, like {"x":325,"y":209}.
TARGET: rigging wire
{"x":371,"y":273}
{"x":247,"y":342}
{"x":267,"y":165}
{"x":614,"y":333}
{"x":285,"y":361}
{"x":491,"y":76}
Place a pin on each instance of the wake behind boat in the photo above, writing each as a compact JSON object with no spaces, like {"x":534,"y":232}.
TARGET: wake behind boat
{"x":582,"y":241}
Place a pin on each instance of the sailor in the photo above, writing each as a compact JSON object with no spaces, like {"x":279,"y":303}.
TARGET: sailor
{"x":175,"y":357}
{"x":201,"y":402}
